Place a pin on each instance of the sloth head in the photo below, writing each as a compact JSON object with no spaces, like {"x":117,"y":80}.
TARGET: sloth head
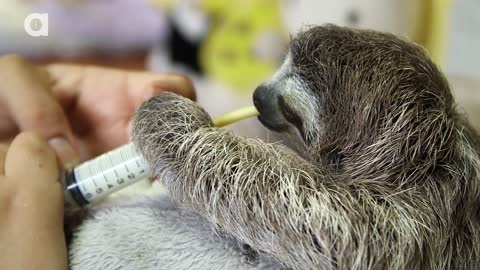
{"x":349,"y":93}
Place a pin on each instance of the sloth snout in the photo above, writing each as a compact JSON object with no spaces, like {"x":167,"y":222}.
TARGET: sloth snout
{"x":262,"y":99}
{"x":266,"y":100}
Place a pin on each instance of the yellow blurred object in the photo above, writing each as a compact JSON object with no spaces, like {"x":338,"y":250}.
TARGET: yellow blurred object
{"x":163,"y":4}
{"x":231,"y":51}
{"x":244,"y":36}
{"x":432,"y":30}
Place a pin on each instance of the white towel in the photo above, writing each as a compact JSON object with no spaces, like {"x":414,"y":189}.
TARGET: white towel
{"x":156,"y":234}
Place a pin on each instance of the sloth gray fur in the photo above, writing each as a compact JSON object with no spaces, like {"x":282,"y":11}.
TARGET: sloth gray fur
{"x":388,"y":171}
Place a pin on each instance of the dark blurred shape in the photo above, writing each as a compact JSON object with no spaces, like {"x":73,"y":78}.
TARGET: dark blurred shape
{"x":183,"y":51}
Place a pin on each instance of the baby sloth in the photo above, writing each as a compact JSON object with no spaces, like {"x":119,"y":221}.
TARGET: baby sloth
{"x":387,"y":171}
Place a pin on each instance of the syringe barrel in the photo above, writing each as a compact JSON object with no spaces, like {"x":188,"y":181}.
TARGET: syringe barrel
{"x":99,"y":177}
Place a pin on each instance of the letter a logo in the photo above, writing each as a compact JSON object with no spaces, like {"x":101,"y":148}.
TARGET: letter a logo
{"x":36,"y":24}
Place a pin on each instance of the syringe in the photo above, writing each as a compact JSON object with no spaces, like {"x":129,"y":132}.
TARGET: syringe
{"x":99,"y":177}
{"x":95,"y":179}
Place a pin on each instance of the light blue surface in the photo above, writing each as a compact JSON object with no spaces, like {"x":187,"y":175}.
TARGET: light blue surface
{"x":463,"y":45}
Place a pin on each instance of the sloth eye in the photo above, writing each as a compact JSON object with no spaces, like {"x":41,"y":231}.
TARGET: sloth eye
{"x":353,"y":17}
{"x":290,"y":115}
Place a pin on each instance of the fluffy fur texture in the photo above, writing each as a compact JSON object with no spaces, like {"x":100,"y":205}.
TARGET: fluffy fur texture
{"x":389,"y":179}
{"x":155,"y":234}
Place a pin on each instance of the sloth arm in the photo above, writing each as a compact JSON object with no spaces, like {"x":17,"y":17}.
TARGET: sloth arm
{"x":262,"y":194}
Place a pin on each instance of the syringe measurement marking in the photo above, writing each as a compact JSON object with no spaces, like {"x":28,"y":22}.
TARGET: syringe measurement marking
{"x":122,"y":153}
{"x":105,"y":177}
{"x":111,"y":165}
{"x":109,"y":186}
{"x":119,"y":179}
{"x":91,"y":174}
{"x":125,"y":157}
{"x":104,"y":172}
{"x":142,"y":170}
{"x":98,"y":171}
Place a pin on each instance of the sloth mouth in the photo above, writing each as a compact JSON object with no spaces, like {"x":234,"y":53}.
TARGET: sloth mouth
{"x":275,"y":113}
{"x":272,"y":125}
{"x":282,"y":119}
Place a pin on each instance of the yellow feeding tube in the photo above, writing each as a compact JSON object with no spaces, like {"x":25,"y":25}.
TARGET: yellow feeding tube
{"x":235,"y":116}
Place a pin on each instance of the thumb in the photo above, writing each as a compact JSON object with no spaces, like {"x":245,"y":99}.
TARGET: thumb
{"x":35,"y":223}
{"x":30,"y":157}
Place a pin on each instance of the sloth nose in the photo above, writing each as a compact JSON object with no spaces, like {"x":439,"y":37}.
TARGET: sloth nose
{"x":265,"y":100}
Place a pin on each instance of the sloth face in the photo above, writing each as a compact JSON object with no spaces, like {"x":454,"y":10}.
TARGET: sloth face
{"x":286,"y":104}
{"x":340,"y":88}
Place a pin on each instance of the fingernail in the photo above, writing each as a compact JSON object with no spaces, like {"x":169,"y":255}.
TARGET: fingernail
{"x":65,"y":152}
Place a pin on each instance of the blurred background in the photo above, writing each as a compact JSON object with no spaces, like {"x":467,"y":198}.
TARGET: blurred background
{"x":229,"y":46}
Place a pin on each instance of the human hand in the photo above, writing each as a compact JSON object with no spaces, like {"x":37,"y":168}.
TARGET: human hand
{"x":86,"y":107}
{"x":31,"y":206}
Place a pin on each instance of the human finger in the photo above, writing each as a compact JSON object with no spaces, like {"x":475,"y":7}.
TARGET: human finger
{"x":33,"y":107}
{"x":3,"y":153}
{"x":30,"y":157}
{"x":72,"y":79}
